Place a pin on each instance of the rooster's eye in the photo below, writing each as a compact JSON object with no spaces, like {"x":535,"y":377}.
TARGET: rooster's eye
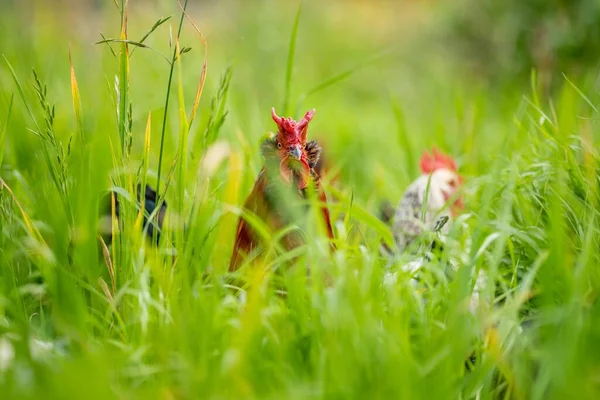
{"x":278,"y":145}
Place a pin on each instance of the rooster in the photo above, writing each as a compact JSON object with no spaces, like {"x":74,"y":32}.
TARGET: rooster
{"x":438,"y":184}
{"x":430,"y":204}
{"x":153,"y":218}
{"x":289,"y":168}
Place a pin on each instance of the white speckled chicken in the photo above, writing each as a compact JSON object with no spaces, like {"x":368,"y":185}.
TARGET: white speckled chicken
{"x":438,"y":184}
{"x":429,"y":204}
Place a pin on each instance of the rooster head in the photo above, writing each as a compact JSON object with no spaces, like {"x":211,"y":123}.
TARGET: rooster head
{"x":445,"y":180}
{"x":291,"y":142}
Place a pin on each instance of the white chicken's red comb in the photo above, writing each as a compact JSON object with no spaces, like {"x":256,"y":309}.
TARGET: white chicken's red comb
{"x":437,"y":160}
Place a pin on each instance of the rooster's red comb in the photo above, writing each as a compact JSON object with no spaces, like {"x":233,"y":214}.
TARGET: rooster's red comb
{"x":437,"y":160}
{"x":289,"y":126}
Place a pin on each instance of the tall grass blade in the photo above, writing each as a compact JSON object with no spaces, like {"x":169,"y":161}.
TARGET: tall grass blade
{"x":76,"y":102}
{"x":168,"y":94}
{"x":331,"y":81}
{"x":32,"y":230}
{"x":289,"y":72}
{"x":22,"y":93}
{"x":204,"y":66}
{"x":217,"y":113}
{"x":158,"y":23}
{"x":403,"y":137}
{"x":123,"y":85}
{"x":144,"y":171}
{"x":184,"y":128}
{"x":5,"y":128}
{"x":581,"y":94}
{"x":108,"y":41}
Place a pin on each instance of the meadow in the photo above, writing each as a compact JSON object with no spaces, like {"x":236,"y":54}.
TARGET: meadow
{"x":101,"y":96}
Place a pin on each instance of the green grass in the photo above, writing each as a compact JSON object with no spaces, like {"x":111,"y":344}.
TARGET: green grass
{"x":132,"y":321}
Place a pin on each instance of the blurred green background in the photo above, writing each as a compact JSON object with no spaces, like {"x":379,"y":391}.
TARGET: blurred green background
{"x":508,"y":87}
{"x":414,"y":56}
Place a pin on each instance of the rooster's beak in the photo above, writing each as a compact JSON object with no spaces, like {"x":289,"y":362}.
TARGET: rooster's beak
{"x":295,"y":151}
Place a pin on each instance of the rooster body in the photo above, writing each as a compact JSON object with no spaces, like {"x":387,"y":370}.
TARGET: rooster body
{"x":289,"y":169}
{"x":429,"y":204}
{"x":152,"y":220}
{"x":424,"y":202}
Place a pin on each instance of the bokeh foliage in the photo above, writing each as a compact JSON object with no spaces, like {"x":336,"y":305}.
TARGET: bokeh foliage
{"x":506,"y":40}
